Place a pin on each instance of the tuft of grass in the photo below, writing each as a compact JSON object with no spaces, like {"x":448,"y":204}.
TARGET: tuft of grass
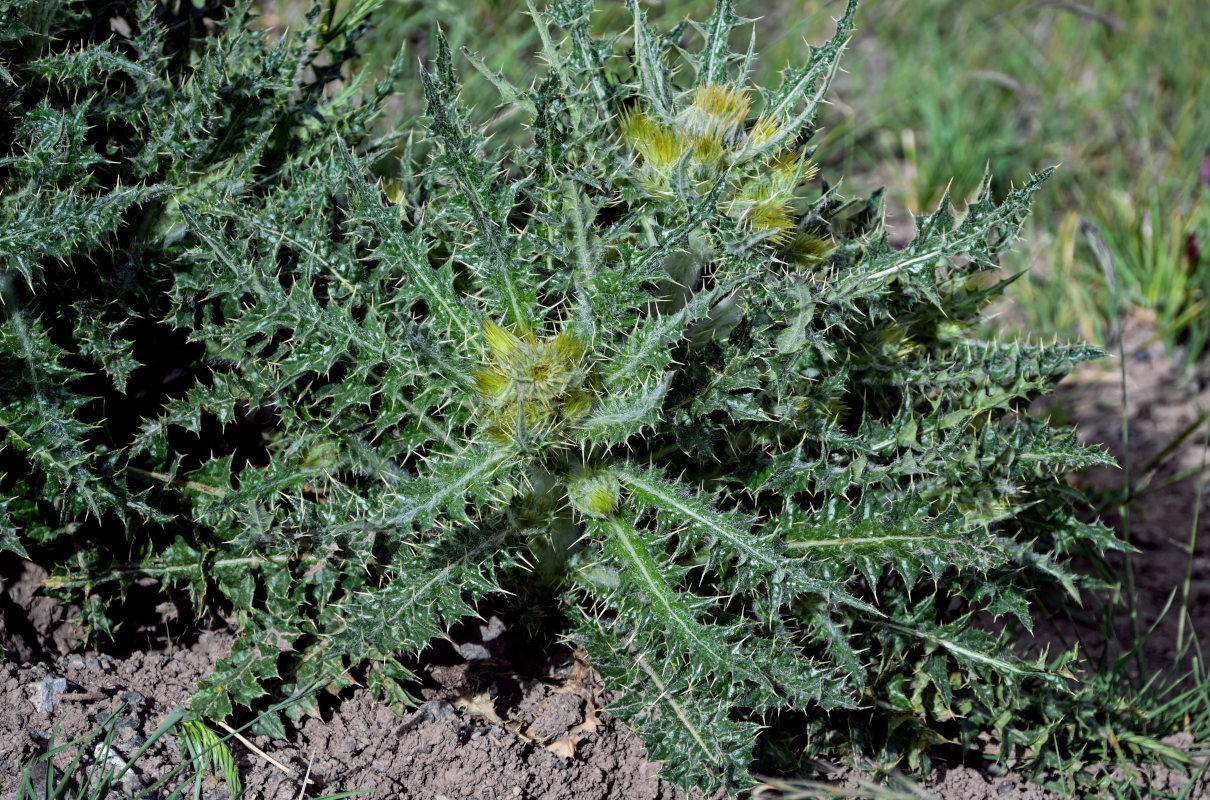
{"x":208,"y":752}
{"x":1160,"y":246}
{"x":105,"y":776}
{"x":1109,"y":92}
{"x":1123,"y":711}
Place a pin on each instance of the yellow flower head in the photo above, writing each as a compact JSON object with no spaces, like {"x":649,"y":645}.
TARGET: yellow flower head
{"x":715,"y":118}
{"x":765,"y":202}
{"x":762,"y":131}
{"x":526,"y":368}
{"x":659,"y":145}
{"x":712,"y":130}
{"x":806,"y":249}
{"x":531,"y":383}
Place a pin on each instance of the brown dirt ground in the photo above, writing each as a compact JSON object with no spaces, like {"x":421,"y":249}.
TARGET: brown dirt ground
{"x":1161,"y":403}
{"x":490,"y":730}
{"x":485,"y":732}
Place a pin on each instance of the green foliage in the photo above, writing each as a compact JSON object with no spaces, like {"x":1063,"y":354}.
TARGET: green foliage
{"x":759,"y":452}
{"x":208,"y":753}
{"x":1152,"y":256}
{"x":912,"y":128}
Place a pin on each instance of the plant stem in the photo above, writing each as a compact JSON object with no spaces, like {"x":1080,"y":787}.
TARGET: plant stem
{"x":1101,"y":250}
{"x":1191,"y":548}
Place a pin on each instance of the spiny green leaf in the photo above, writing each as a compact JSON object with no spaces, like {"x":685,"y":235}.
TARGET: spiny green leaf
{"x":794,"y":102}
{"x":654,"y":75}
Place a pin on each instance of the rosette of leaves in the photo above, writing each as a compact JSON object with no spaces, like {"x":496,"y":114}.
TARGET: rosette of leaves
{"x":762,"y":453}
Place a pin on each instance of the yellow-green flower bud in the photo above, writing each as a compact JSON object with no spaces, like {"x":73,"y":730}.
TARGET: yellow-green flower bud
{"x":594,"y":494}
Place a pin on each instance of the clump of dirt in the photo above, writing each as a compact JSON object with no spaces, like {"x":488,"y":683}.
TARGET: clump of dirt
{"x":488,"y":731}
{"x":493,"y":727}
{"x":957,"y":782}
{"x":945,"y":782}
{"x":35,"y":627}
{"x":986,"y":782}
{"x":438,"y":752}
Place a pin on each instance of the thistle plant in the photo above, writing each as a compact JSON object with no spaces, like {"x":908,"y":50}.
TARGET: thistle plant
{"x":648,"y":360}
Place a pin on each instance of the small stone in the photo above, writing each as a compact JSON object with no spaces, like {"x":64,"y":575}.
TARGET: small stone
{"x":131,"y":784}
{"x":135,"y":699}
{"x":41,"y":774}
{"x":434,"y":710}
{"x":493,"y":630}
{"x":473,"y":652}
{"x":45,"y":694}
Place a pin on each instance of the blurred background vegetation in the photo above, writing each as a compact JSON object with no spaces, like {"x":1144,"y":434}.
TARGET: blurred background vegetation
{"x":934,"y":92}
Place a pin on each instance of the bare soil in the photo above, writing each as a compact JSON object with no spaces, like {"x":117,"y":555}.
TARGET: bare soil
{"x":486,"y":731}
{"x":499,"y":724}
{"x":1162,"y":403}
